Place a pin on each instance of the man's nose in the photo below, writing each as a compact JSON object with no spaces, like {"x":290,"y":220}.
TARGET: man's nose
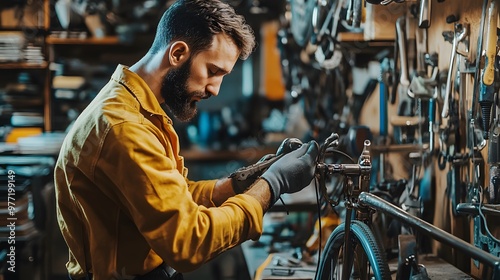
{"x":214,"y":86}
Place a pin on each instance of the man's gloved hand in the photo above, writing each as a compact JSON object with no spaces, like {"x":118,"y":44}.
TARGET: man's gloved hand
{"x":241,"y":186}
{"x":293,"y":172}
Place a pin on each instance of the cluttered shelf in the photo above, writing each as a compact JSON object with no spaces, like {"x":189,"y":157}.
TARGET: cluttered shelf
{"x":24,"y":65}
{"x":250,"y":154}
{"x":108,"y":40}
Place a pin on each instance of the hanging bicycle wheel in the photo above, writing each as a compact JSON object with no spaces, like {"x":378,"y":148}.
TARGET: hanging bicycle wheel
{"x":368,"y":260}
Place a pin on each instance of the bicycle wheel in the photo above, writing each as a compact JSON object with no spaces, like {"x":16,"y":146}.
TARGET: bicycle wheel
{"x":368,"y":261}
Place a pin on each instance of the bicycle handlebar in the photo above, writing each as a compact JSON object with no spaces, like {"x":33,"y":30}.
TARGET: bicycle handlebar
{"x":362,"y":168}
{"x":353,"y":169}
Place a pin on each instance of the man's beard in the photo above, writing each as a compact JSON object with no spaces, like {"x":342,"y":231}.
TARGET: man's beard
{"x":174,"y":92}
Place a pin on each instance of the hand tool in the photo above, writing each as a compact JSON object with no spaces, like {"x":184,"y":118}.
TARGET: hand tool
{"x":356,"y":8}
{"x":404,"y":108}
{"x":286,"y":146}
{"x":424,"y":19}
{"x":494,"y":168}
{"x":384,"y":82}
{"x":473,"y":110}
{"x":423,"y":87}
{"x":460,"y":33}
{"x":432,"y":121}
{"x":487,"y":91}
{"x":432,"y":60}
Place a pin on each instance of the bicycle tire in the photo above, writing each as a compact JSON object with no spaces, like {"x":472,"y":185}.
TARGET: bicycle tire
{"x":361,"y":235}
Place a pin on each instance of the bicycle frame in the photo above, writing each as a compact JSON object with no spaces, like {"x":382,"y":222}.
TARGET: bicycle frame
{"x":359,"y":199}
{"x":379,"y":204}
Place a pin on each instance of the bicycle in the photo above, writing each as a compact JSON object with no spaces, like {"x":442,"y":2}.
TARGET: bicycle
{"x":352,"y":250}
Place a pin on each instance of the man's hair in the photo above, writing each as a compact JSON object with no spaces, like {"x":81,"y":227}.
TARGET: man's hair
{"x":197,"y":21}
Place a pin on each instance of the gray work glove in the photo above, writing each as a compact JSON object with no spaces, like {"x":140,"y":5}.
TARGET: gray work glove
{"x":293,"y":172}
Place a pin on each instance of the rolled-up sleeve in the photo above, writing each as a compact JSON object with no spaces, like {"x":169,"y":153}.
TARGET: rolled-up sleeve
{"x":156,"y":196}
{"x":202,"y":191}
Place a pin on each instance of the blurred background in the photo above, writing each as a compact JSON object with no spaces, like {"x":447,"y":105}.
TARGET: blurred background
{"x":396,"y":73}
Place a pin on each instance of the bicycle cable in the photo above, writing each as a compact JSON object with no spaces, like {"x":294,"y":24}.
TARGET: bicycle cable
{"x":343,"y":154}
{"x":318,"y":193}
{"x":320,"y":236}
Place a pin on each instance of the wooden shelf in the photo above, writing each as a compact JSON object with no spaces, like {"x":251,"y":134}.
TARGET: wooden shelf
{"x":24,"y":65}
{"x":350,"y":36}
{"x":244,"y":154}
{"x":109,"y":40}
{"x":358,"y":39}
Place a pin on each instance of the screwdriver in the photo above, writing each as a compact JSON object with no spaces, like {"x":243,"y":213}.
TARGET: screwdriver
{"x":487,"y":92}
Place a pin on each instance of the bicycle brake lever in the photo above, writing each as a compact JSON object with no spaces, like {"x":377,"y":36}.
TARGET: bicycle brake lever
{"x":286,"y":146}
{"x":332,"y":140}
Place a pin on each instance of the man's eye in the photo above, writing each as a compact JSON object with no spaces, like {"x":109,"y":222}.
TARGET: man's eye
{"x":212,"y":72}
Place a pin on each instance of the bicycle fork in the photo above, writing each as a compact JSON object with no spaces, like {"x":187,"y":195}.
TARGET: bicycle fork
{"x":360,"y":214}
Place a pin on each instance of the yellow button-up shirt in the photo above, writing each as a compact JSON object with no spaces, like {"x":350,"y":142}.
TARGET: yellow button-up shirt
{"x":124,"y":202}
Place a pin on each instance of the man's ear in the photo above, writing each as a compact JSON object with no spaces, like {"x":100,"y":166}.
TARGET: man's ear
{"x":178,"y":53}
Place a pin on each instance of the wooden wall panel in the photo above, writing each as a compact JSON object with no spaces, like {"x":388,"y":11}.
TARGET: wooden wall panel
{"x":467,"y":12}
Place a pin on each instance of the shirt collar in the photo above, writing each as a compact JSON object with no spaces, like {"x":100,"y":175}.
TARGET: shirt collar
{"x":140,"y":89}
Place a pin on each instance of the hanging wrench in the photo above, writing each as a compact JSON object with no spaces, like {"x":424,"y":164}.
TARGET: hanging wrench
{"x":424,"y":19}
{"x":354,"y":13}
{"x":460,"y":33}
{"x":404,"y":78}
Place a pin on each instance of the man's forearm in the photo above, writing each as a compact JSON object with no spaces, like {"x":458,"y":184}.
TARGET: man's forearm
{"x":261,"y":191}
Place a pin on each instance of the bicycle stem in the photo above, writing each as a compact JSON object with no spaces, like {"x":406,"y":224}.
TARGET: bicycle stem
{"x":366,"y":165}
{"x":362,"y":168}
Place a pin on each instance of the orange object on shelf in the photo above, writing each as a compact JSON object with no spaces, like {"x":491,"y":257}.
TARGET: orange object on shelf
{"x":18,"y":132}
{"x":272,"y":85}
